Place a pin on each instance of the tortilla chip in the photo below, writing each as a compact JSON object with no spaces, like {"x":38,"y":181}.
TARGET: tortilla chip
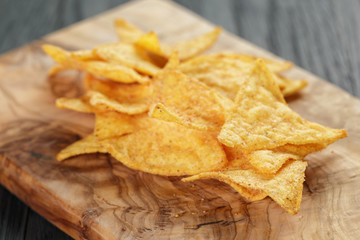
{"x":262,"y":120}
{"x":84,"y":55}
{"x":89,"y":144}
{"x":285,"y":187}
{"x":113,"y":124}
{"x":94,"y":101}
{"x":193,"y":102}
{"x":112,"y":71}
{"x":186,"y":49}
{"x":268,"y":162}
{"x":127,"y":32}
{"x":290,"y":86}
{"x":128,"y":55}
{"x":225,"y":73}
{"x":159,"y":111}
{"x":264,"y":162}
{"x":173,"y":61}
{"x":75,"y":104}
{"x":195,"y":46}
{"x":150,"y":42}
{"x":99,"y":100}
{"x":250,"y":195}
{"x":236,"y":159}
{"x":165,"y":148}
{"x":273,"y":66}
{"x":121,"y":92}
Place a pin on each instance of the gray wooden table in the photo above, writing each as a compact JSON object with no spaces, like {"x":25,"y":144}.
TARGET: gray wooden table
{"x":322,"y":36}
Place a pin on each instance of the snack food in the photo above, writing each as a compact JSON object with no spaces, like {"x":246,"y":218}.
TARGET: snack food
{"x":163,"y":109}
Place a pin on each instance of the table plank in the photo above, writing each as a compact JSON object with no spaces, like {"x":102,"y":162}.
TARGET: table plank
{"x":321,"y":36}
{"x":25,"y":21}
{"x":13,"y":216}
{"x":39,"y":228}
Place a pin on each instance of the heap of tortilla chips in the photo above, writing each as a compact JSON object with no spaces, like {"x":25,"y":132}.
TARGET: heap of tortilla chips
{"x":167,"y":110}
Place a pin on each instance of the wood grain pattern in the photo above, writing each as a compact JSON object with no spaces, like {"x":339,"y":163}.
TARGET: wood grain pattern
{"x":95,"y":197}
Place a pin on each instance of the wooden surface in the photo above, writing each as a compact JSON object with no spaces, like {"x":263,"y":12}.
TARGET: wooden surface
{"x":332,"y":178}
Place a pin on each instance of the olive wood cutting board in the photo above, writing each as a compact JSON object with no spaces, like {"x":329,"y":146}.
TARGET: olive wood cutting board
{"x":95,"y":197}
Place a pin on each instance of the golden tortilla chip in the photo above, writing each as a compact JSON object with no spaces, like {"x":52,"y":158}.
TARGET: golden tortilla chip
{"x":128,"y":55}
{"x":236,"y":159}
{"x":159,"y":111}
{"x":186,"y":49}
{"x":173,"y":61}
{"x":285,"y":187}
{"x":268,"y":162}
{"x":121,"y":92}
{"x":89,"y":144}
{"x":250,"y":195}
{"x":289,"y":86}
{"x":262,"y":120}
{"x":113,"y":124}
{"x":93,"y":102}
{"x":150,"y":42}
{"x":99,"y":100}
{"x":193,"y":102}
{"x":195,"y":46}
{"x":84,"y":55}
{"x":273,"y":66}
{"x":264,"y":162}
{"x":225,"y":73}
{"x":75,"y":104}
{"x":166,"y":148}
{"x":112,"y":71}
{"x":127,"y":32}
